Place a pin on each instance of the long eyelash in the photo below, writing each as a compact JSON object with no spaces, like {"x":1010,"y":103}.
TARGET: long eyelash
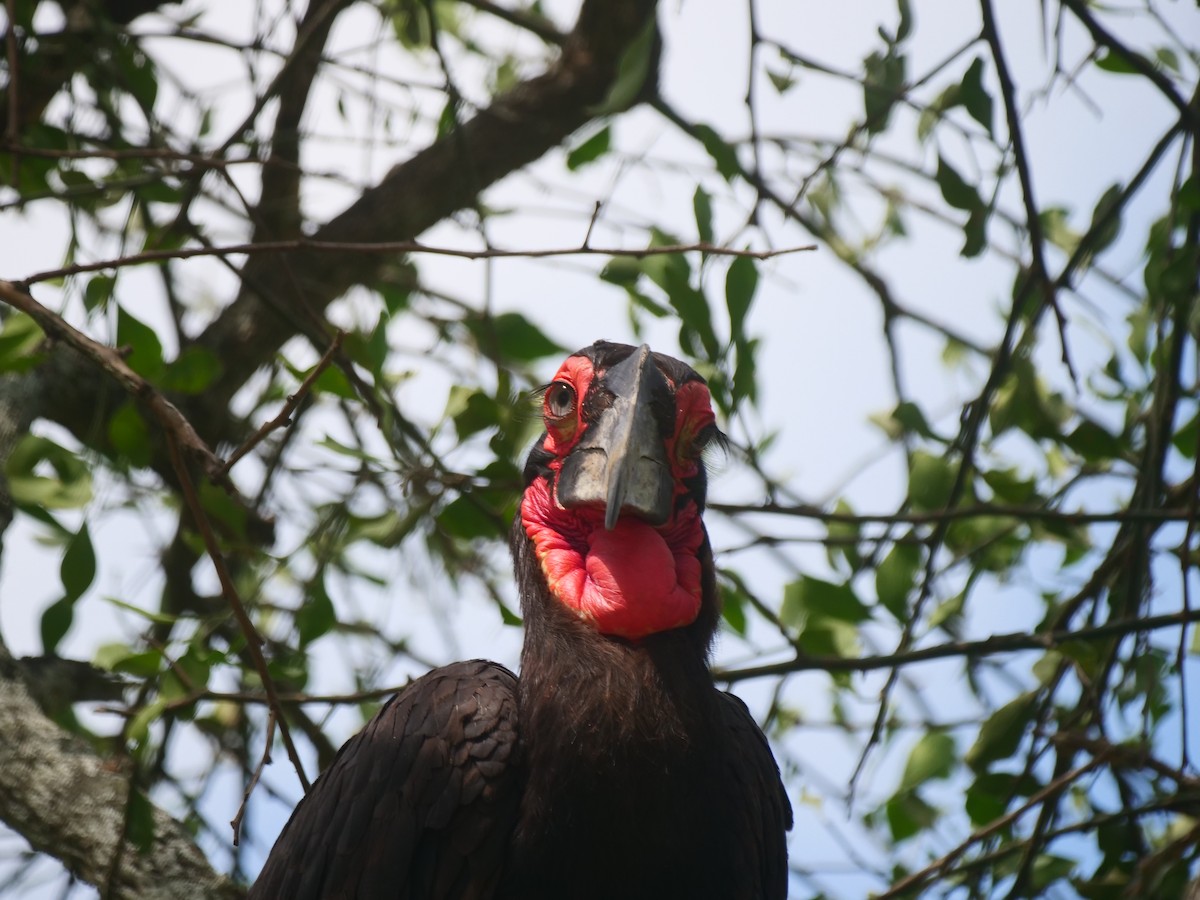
{"x":529,"y":404}
{"x":716,"y":450}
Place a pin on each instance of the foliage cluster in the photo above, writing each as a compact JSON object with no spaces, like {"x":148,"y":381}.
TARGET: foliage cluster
{"x":972,"y":666}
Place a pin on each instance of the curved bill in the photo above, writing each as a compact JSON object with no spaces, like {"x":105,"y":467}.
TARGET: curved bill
{"x":621,"y":463}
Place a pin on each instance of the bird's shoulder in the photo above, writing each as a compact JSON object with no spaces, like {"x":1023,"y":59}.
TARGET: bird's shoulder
{"x":419,"y":804}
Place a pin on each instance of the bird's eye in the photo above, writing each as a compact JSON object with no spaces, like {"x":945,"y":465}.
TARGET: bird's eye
{"x":560,"y":400}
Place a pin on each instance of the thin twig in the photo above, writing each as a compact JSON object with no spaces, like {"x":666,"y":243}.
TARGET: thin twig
{"x":998,"y":643}
{"x":13,"y":125}
{"x":529,"y":21}
{"x":916,"y":879}
{"x":285,"y":414}
{"x":229,"y":591}
{"x":1033,"y":221}
{"x":393,"y":247}
{"x":806,"y":511}
{"x":1144,"y":67}
{"x":236,"y":822}
{"x":587,"y":238}
{"x":173,"y":422}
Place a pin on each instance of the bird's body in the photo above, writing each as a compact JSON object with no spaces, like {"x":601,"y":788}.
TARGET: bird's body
{"x":613,"y":768}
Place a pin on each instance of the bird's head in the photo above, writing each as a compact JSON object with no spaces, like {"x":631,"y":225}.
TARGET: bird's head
{"x":615,"y":489}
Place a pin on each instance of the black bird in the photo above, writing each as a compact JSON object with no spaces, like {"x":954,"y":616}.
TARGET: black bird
{"x":613,"y":769}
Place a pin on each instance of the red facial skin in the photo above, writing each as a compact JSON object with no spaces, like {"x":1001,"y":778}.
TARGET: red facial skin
{"x":637,"y":579}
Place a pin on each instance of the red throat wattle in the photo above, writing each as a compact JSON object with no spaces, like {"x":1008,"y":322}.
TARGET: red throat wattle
{"x":630,"y":582}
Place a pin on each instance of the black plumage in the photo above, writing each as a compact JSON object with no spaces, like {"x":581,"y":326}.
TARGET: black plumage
{"x":613,"y":768}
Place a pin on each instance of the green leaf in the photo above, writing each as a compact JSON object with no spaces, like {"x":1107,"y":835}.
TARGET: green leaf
{"x":1187,"y":438}
{"x":1048,"y":869}
{"x":632,"y":71}
{"x":122,"y":658}
{"x":672,"y":273}
{"x":905,"y":26}
{"x":895,"y":577}
{"x":130,"y":435}
{"x":1106,"y":219}
{"x":145,"y":353}
{"x":514,"y":336}
{"x":189,"y":674}
{"x":192,"y":371}
{"x":934,"y":756}
{"x":56,"y":622}
{"x":948,"y":610}
{"x":1008,"y":486}
{"x":332,"y":381}
{"x":882,"y":87}
{"x":69,"y":488}
{"x":448,"y":120}
{"x":974,"y":96}
{"x":1093,"y":442}
{"x":1117,"y":64}
{"x":809,"y":598}
{"x":1189,"y":195}
{"x":475,"y":411}
{"x":908,"y":814}
{"x":722,"y":152}
{"x":745,"y":373}
{"x":137,"y":74}
{"x":466,"y":518}
{"x":139,"y":725}
{"x":975,"y":233}
{"x":930,"y":481}
{"x":989,"y":795}
{"x":740,"y":284}
{"x":932,"y":114}
{"x":410,"y":23}
{"x":223,"y":509}
{"x":1001,"y":735}
{"x":157,"y":617}
{"x":590,"y":150}
{"x":1168,"y":58}
{"x":140,"y":819}
{"x":316,"y":615}
{"x":906,"y":418}
{"x":844,"y":538}
{"x":955,"y":189}
{"x":622,"y":271}
{"x":98,"y":292}
{"x":20,"y":338}
{"x":78,"y":567}
{"x":702,"y":207}
{"x":782,"y":81}
{"x":1057,"y":229}
{"x":733,"y":607}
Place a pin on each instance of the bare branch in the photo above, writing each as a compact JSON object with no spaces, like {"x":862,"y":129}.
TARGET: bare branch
{"x":1104,"y":38}
{"x":999,"y":643}
{"x":1055,"y":787}
{"x":390,"y":248}
{"x":110,"y":361}
{"x":285,"y":414}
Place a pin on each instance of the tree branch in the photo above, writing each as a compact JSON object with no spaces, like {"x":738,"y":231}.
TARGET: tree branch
{"x":70,"y":803}
{"x":391,"y":248}
{"x":516,"y":129}
{"x":1144,"y":67}
{"x":997,"y":643}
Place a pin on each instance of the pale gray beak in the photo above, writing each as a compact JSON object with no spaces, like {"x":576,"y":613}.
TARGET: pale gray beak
{"x":621,"y":463}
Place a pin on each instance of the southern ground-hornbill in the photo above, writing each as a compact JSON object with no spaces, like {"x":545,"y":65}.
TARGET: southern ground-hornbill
{"x":613,"y":769}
